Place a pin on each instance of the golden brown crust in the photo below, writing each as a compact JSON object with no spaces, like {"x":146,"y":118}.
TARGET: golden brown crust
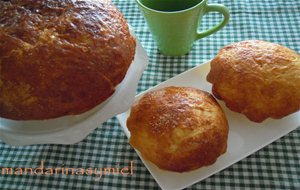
{"x":178,"y":128}
{"x":60,"y":57}
{"x":257,"y":78}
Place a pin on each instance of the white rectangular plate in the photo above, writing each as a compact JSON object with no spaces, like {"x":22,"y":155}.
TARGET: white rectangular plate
{"x":245,"y":137}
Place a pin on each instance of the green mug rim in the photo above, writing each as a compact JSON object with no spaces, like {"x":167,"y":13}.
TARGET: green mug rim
{"x":170,"y":12}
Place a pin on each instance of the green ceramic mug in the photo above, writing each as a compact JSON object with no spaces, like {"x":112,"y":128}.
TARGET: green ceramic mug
{"x":174,"y":23}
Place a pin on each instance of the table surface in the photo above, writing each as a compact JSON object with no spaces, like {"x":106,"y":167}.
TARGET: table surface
{"x":276,"y":166}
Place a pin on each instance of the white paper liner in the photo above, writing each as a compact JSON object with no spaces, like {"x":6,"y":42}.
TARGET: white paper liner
{"x":72,"y":129}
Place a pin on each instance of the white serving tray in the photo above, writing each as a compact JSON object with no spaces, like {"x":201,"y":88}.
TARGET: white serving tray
{"x":72,"y":129}
{"x":245,"y":137}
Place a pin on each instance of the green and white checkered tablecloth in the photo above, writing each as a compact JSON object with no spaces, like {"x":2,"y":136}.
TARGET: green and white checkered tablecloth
{"x":276,"y":166}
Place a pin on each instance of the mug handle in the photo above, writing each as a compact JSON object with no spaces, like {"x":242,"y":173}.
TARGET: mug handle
{"x":215,"y":8}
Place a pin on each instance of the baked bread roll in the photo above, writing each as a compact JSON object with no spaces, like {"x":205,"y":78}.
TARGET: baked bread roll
{"x":257,"y":78}
{"x":178,"y":128}
{"x":60,"y":57}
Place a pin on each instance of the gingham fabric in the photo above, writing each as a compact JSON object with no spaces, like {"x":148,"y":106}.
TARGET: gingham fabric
{"x":276,"y":166}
